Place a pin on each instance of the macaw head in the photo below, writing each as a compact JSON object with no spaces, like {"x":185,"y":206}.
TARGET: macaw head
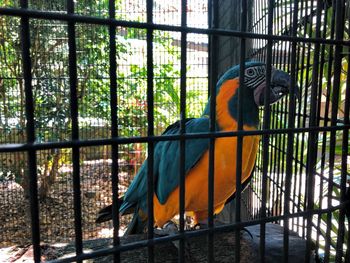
{"x":255,"y":80}
{"x":255,"y":86}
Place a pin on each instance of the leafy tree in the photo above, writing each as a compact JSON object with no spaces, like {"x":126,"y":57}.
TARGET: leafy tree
{"x":49,"y":54}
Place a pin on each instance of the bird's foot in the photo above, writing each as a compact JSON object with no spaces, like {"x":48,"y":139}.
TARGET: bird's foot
{"x":203,"y":224}
{"x":168,"y":229}
{"x":199,"y":226}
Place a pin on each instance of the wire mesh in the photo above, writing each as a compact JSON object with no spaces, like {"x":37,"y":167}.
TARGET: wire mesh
{"x":314,"y":170}
{"x":58,"y":81}
{"x":50,"y":82}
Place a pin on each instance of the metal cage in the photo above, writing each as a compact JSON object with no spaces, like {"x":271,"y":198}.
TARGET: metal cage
{"x":300,"y":180}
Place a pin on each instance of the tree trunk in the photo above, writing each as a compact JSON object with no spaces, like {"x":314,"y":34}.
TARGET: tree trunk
{"x":50,"y":174}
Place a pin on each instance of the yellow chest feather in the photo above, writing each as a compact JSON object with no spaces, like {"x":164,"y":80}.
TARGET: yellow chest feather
{"x":196,"y":184}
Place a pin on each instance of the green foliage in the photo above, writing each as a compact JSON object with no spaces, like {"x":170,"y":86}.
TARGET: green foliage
{"x":307,"y":28}
{"x":51,"y":90}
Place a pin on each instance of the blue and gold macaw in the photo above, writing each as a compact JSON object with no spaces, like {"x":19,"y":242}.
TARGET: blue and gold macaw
{"x":167,"y":153}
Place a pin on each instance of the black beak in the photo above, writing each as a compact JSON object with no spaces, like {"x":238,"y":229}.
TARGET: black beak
{"x":280,"y":86}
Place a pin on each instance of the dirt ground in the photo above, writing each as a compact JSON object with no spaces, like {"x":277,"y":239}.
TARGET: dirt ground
{"x":57,"y":210}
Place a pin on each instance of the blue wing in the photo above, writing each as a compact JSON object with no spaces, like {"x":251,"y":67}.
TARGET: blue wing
{"x":166,"y":164}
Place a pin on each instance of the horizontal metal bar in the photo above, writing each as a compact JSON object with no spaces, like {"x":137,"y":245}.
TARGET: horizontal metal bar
{"x":196,"y":233}
{"x":107,"y":21}
{"x":17,"y":147}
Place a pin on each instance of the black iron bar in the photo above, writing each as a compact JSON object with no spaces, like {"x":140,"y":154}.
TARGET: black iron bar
{"x":328,"y":95}
{"x":274,"y":122}
{"x":106,"y":21}
{"x":190,"y":234}
{"x":261,"y":29}
{"x":343,"y":182}
{"x":150,"y":131}
{"x":344,"y":168}
{"x":114,"y":127}
{"x":256,"y":53}
{"x":213,"y":23}
{"x":259,"y":181}
{"x":279,"y":144}
{"x":298,"y":151}
{"x":239,"y":149}
{"x":282,"y":106}
{"x":309,"y":181}
{"x":18,"y":147}
{"x":30,"y":132}
{"x":75,"y":130}
{"x":319,"y":118}
{"x":303,"y":105}
{"x":266,"y":137}
{"x":339,"y":32}
{"x":329,"y":88}
{"x":313,"y":136}
{"x":182,"y":158}
{"x":272,"y":165}
{"x":287,"y":47}
{"x":299,"y":44}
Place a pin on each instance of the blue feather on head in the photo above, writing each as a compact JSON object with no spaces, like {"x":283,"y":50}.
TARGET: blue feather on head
{"x":231,"y":73}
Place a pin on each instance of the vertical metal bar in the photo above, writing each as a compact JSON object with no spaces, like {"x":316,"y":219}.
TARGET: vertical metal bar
{"x":329,"y":87}
{"x":261,"y":29}
{"x":266,"y":126}
{"x":279,"y":143}
{"x":75,"y":129}
{"x":312,"y":147}
{"x":239,"y":149}
{"x":282,"y":108}
{"x":290,"y":139}
{"x":308,"y":179}
{"x":182,"y":128}
{"x":300,"y":123}
{"x":114,"y":131}
{"x":323,"y":62}
{"x":213,"y":39}
{"x":323,"y":145}
{"x":298,"y":151}
{"x":344,"y":167}
{"x":212,"y":102}
{"x":257,"y":25}
{"x":272,"y":160}
{"x":285,"y":59}
{"x":30,"y":132}
{"x":339,"y":31}
{"x":150,"y":130}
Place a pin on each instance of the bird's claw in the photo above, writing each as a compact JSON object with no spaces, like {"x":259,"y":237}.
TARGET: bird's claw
{"x":168,"y":229}
{"x":199,"y":226}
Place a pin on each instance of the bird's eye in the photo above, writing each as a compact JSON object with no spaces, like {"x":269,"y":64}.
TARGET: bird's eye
{"x":250,"y":72}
